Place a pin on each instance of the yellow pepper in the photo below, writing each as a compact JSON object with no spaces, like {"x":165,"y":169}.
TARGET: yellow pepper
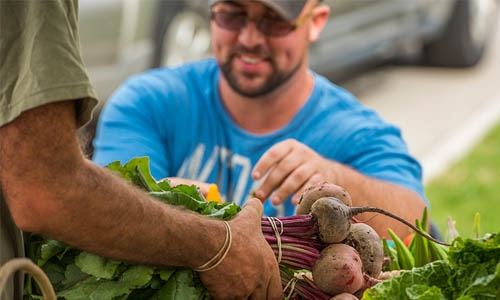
{"x":213,"y":194}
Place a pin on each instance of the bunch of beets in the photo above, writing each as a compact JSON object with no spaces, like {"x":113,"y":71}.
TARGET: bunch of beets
{"x":323,"y":251}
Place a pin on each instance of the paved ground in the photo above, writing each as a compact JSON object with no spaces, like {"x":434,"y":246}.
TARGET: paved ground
{"x":441,"y":112}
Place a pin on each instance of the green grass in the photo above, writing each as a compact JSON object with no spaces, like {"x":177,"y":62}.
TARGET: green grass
{"x":470,"y":186}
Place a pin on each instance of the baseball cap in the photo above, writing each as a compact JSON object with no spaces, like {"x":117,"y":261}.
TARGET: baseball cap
{"x":288,"y":9}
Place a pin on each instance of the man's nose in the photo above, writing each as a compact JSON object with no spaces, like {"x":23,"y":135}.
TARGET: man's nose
{"x":250,"y":35}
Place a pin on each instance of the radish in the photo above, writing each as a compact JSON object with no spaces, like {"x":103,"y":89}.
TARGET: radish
{"x":320,"y":190}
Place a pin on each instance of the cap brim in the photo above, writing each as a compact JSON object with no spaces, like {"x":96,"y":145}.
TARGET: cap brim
{"x":287,"y":9}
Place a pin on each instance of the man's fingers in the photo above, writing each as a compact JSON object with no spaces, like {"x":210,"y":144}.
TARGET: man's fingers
{"x":271,"y":157}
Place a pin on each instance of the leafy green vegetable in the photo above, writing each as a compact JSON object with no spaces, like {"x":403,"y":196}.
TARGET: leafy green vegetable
{"x":472,"y":271}
{"x":478,"y":267}
{"x":76,"y":274}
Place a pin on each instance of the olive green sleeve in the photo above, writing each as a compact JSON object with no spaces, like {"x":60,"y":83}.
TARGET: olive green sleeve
{"x":40,"y":59}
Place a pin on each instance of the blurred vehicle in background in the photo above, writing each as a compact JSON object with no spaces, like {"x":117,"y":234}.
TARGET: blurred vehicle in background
{"x":120,"y":38}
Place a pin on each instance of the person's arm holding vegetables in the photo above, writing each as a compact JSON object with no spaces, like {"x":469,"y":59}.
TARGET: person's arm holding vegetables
{"x":51,"y":188}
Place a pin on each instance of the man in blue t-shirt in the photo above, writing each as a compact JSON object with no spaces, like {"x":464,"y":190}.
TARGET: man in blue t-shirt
{"x":257,"y":120}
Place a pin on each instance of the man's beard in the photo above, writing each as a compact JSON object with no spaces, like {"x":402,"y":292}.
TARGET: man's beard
{"x":275,"y":80}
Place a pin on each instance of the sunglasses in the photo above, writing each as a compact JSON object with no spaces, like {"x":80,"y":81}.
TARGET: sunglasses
{"x":273,"y":27}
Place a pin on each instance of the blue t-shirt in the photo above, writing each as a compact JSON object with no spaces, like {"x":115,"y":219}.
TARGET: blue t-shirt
{"x":175,"y":117}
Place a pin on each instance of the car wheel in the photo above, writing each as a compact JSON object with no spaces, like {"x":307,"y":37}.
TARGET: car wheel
{"x":466,"y":36}
{"x":183,"y":35}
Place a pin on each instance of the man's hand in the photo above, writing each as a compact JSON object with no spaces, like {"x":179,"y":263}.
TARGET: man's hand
{"x":250,"y":269}
{"x":289,"y":168}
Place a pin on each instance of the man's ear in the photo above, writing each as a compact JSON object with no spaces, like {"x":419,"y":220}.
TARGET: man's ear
{"x":318,"y":21}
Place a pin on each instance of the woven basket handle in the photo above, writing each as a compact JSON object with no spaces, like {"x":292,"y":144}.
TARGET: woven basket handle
{"x":26,"y":265}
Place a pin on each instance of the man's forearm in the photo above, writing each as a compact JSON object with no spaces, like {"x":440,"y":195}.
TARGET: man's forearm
{"x":131,"y":225}
{"x":51,"y":189}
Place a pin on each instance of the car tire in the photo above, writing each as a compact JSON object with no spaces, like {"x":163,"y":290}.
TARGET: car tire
{"x":182,"y":34}
{"x":466,"y":36}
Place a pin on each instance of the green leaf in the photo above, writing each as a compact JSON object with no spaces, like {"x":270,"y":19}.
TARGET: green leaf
{"x":97,"y":288}
{"x":94,"y":289}
{"x":190,"y":190}
{"x":180,"y":286}
{"x":50,"y":249}
{"x":141,"y":294}
{"x":81,"y":290}
{"x":165,"y":274}
{"x":477,"y":280}
{"x":97,"y":266}
{"x":136,"y":171}
{"x":164,"y":184}
{"x":156,"y":283}
{"x":179,"y":199}
{"x":55,"y":272}
{"x":487,"y":285}
{"x":72,"y":276}
{"x":400,"y":287}
{"x":470,"y":251}
{"x":424,"y":292}
{"x":224,"y":211}
{"x":137,"y":276}
{"x":109,"y":289}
